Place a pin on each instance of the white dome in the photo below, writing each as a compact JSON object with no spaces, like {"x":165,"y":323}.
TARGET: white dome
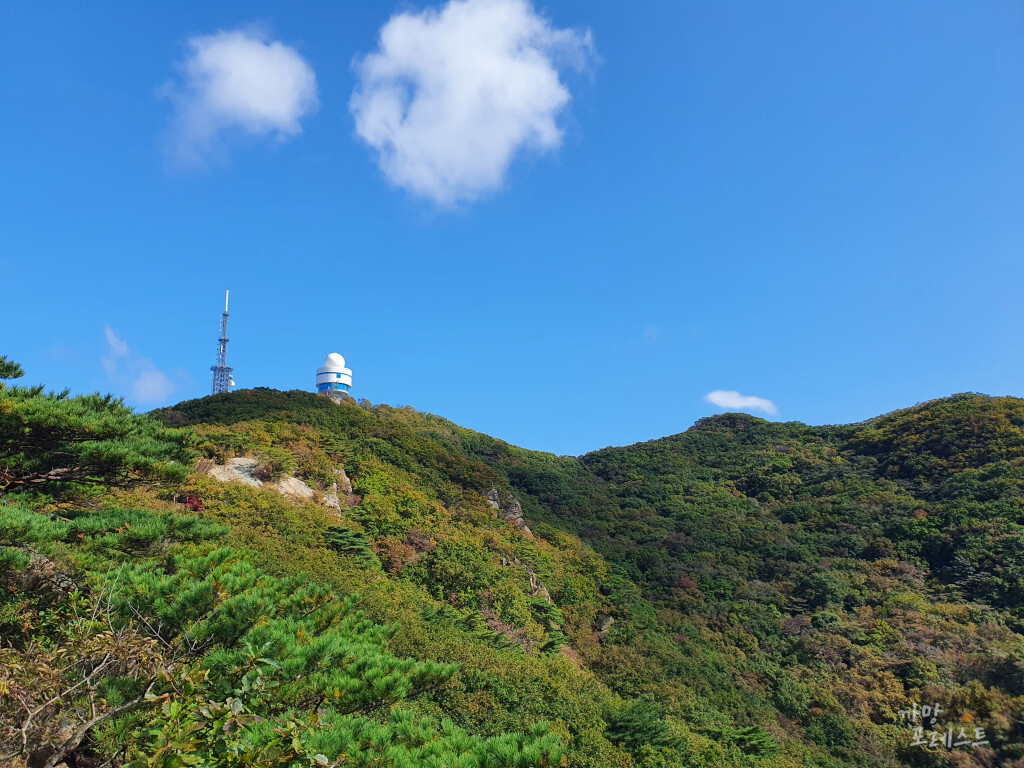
{"x":334,"y":360}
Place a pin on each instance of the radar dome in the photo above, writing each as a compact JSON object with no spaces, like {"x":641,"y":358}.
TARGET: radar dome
{"x":333,"y":378}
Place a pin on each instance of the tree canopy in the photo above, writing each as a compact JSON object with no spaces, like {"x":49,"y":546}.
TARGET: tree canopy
{"x":54,"y":442}
{"x":9,"y":369}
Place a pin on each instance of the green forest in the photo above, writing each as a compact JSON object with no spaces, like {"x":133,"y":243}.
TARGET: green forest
{"x":743,"y":594}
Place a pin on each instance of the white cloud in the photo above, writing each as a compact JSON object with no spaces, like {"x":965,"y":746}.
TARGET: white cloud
{"x":152,"y":385}
{"x":116,"y":346}
{"x":736,"y":402}
{"x":237,"y":83}
{"x":451,"y":95}
{"x":139,"y":375}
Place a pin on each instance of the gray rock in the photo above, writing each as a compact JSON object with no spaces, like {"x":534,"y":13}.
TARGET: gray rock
{"x":507,"y":505}
{"x":344,"y":484}
{"x":292,"y":486}
{"x":237,"y":471}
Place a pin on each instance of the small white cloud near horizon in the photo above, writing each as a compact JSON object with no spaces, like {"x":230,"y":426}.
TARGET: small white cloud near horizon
{"x":734,"y":401}
{"x":139,"y":375}
{"x":452,"y":95}
{"x":236,"y":83}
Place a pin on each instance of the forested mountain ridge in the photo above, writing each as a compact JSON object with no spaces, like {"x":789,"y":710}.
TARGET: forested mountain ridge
{"x":745,"y":593}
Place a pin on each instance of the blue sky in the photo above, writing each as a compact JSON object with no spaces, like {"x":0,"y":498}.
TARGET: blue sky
{"x":817,"y":205}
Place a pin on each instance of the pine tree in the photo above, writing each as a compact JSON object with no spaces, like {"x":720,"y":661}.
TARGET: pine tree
{"x":636,"y":723}
{"x":53,"y":442}
{"x":9,"y":369}
{"x":349,"y":542}
{"x":209,"y":660}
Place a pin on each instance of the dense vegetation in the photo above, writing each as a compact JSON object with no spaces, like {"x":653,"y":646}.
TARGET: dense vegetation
{"x":743,"y":594}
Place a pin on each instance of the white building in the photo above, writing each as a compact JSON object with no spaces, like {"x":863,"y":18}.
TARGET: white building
{"x":333,"y":378}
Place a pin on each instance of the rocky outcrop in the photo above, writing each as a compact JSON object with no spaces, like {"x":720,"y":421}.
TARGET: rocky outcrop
{"x":340,"y":493}
{"x":509,"y":509}
{"x":331,"y":500}
{"x":344,"y":484}
{"x":237,"y":471}
{"x":244,"y":470}
{"x":537,"y":589}
{"x":292,"y":486}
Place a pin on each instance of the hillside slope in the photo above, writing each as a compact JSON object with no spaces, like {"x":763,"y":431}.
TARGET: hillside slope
{"x":765,"y":593}
{"x":745,"y":593}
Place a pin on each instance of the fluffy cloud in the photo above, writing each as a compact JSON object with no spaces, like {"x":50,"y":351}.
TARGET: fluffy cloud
{"x":734,"y":401}
{"x":452,"y":95}
{"x":237,"y":83}
{"x":138,"y":375}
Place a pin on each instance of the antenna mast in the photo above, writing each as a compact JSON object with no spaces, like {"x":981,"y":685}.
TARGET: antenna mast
{"x":222,"y":381}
